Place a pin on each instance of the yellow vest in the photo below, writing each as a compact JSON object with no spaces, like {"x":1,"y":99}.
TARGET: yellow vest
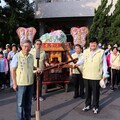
{"x":42,"y":58}
{"x":75,"y":55}
{"x":92,"y":68}
{"x":24,"y":71}
{"x":115,"y":61}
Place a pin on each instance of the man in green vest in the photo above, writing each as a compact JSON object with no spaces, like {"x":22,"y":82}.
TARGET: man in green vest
{"x":42,"y":63}
{"x":94,"y":70}
{"x":22,"y":75}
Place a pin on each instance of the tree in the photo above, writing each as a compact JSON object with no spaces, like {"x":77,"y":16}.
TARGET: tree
{"x":16,"y":13}
{"x":115,"y":25}
{"x":101,"y":23}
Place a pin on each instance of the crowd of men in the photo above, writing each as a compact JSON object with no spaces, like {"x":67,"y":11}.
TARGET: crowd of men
{"x":18,"y":68}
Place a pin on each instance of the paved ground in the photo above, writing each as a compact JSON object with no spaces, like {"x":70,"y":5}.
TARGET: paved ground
{"x":59,"y":105}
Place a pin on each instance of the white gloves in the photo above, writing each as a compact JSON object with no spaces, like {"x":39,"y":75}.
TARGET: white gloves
{"x":103,"y":83}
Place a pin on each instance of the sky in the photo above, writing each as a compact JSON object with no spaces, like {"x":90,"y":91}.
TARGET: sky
{"x":2,"y":3}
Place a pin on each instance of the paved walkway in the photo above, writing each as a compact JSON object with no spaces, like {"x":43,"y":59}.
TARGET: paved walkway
{"x":59,"y":105}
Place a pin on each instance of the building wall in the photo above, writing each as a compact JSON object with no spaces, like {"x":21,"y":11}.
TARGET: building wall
{"x":66,"y":13}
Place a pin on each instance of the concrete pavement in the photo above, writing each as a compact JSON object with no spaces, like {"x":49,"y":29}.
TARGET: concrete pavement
{"x":59,"y":105}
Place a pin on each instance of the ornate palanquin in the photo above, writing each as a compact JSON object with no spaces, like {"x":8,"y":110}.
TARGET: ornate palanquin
{"x":55,"y":54}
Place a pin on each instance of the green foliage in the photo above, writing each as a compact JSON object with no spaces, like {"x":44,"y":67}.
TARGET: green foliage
{"x":106,"y":27}
{"x":97,"y":19}
{"x":16,"y":13}
{"x":115,"y":25}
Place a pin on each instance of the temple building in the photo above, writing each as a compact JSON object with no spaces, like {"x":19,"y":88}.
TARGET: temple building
{"x":65,"y":14}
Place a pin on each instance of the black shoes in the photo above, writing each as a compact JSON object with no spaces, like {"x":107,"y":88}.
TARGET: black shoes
{"x":112,"y":88}
{"x":95,"y":110}
{"x":86,"y":108}
{"x":75,"y":96}
{"x":82,"y":97}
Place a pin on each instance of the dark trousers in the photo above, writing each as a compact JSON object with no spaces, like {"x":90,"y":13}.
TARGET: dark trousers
{"x":2,"y":79}
{"x":114,"y":77}
{"x":8,"y":78}
{"x":109,"y":71}
{"x":34,"y":90}
{"x":78,"y":85}
{"x":92,"y":88}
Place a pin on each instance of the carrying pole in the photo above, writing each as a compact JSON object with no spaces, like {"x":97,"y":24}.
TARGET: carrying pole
{"x":38,"y":87}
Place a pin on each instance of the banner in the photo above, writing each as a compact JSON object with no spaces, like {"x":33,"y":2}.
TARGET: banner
{"x":26,"y":34}
{"x":79,"y":35}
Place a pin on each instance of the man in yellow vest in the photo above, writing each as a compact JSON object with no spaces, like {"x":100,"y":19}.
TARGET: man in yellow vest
{"x":76,"y":76}
{"x":22,"y":75}
{"x":115,"y":67}
{"x":94,"y":70}
{"x":42,"y":63}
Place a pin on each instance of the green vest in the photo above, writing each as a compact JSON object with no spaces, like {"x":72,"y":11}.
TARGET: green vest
{"x":115,"y":61}
{"x":24,"y":71}
{"x":41,"y":60}
{"x":75,"y":55}
{"x":92,"y":68}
